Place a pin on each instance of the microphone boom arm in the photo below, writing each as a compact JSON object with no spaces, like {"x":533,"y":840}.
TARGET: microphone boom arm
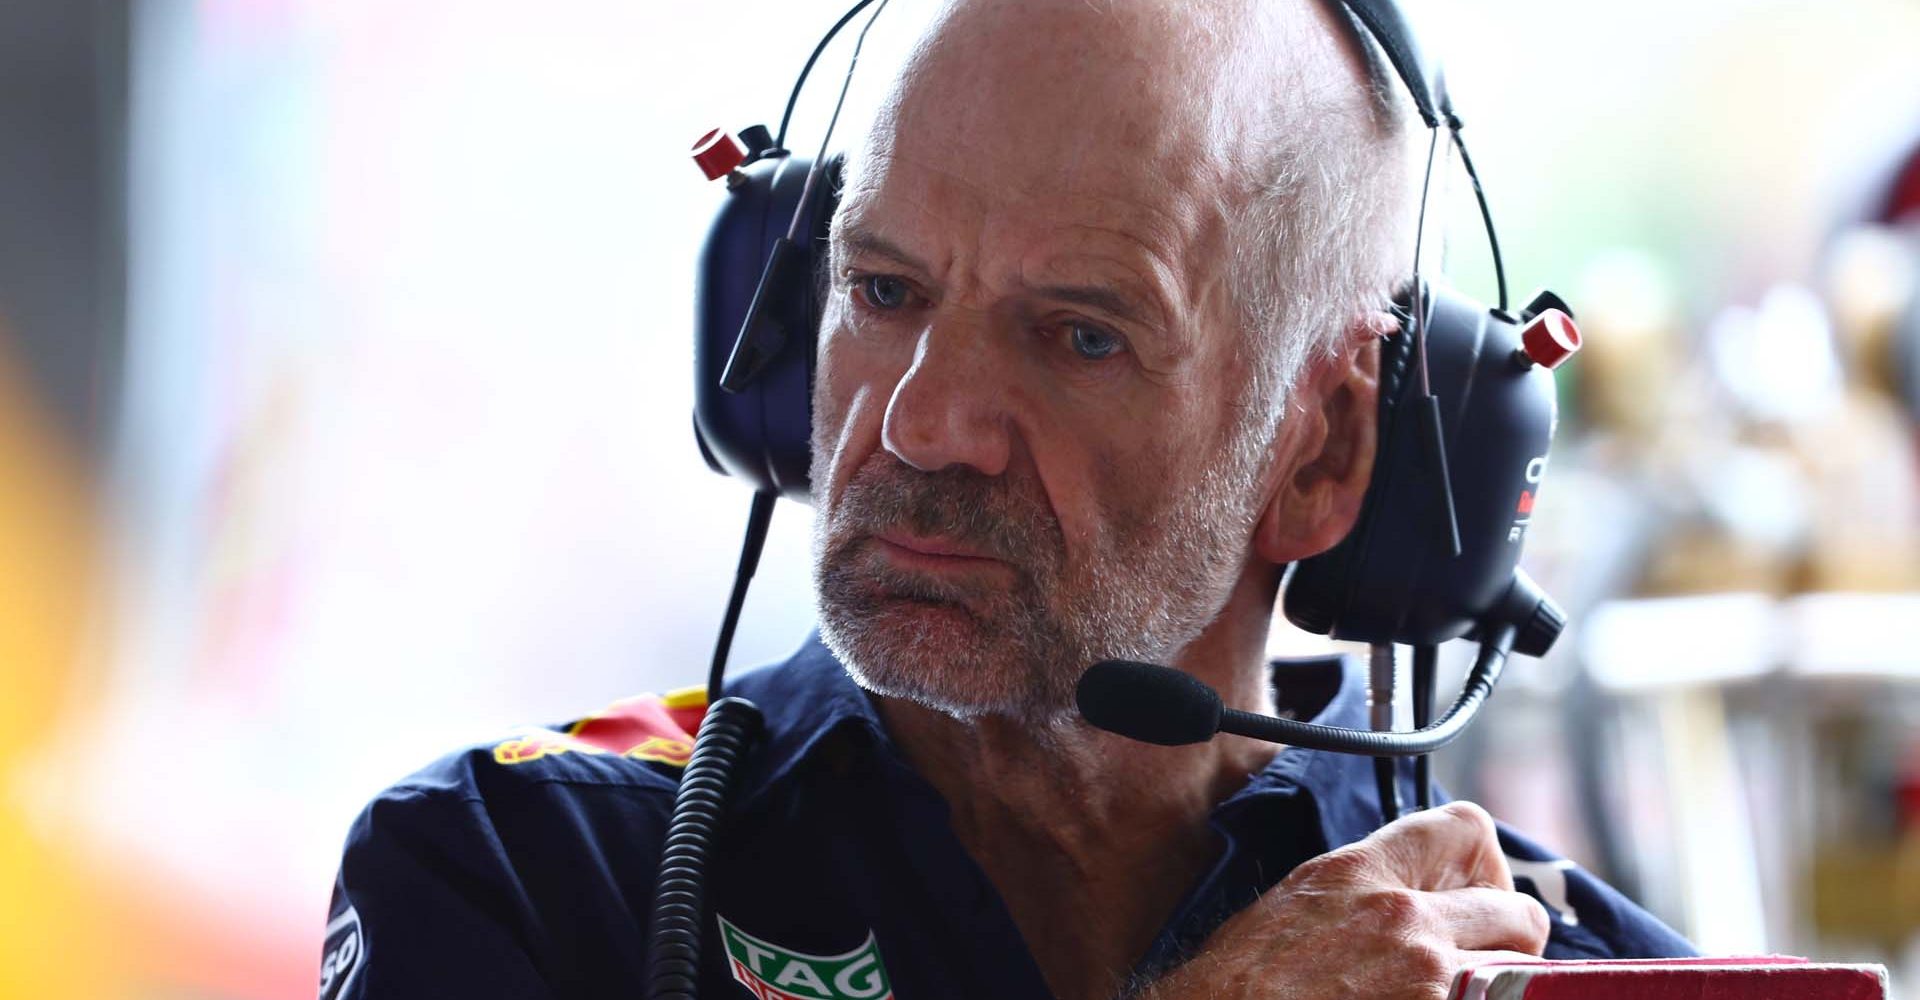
{"x":1473,"y":696}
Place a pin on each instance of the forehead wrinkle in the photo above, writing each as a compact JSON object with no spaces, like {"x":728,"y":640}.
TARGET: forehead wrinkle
{"x":1181,"y":250}
{"x":1149,"y":283}
{"x":1122,"y":273}
{"x":881,"y":202}
{"x":853,"y":237}
{"x":1174,"y":154}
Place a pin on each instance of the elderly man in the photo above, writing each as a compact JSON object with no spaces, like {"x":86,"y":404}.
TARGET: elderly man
{"x":1097,"y":363}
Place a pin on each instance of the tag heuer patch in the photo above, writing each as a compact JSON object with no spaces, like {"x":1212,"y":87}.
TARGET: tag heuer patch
{"x":771,"y":972}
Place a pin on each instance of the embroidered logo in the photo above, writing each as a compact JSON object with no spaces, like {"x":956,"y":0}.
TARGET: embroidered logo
{"x":771,"y":972}
{"x":1549,"y":880}
{"x":647,"y":727}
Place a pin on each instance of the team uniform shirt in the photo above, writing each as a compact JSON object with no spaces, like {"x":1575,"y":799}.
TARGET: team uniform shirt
{"x":525,"y":868}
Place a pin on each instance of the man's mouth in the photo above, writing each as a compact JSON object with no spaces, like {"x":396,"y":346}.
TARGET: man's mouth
{"x":907,"y":550}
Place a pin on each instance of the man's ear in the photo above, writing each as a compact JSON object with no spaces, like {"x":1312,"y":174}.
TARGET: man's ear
{"x":1324,"y":451}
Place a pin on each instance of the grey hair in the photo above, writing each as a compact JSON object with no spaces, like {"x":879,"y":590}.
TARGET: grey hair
{"x":1323,"y":238}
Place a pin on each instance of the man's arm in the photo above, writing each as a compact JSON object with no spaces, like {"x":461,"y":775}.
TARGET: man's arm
{"x":1391,"y":917}
{"x":426,"y":904}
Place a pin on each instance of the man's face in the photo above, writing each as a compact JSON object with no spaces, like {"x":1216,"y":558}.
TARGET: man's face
{"x":1024,"y":419}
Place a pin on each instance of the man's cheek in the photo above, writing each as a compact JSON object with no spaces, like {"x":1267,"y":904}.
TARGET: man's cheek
{"x":846,"y":430}
{"x":1130,"y":481}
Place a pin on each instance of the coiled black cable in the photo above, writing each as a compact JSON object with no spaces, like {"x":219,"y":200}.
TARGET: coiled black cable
{"x":726,"y":734}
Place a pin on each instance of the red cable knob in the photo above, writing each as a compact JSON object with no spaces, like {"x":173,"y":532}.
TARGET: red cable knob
{"x":1550,"y":338}
{"x":717,"y":153}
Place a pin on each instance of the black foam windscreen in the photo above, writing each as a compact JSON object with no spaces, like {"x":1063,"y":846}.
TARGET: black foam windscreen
{"x":1148,"y":702}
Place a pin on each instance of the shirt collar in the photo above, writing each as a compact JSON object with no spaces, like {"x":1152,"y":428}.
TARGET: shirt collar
{"x":803,"y":700}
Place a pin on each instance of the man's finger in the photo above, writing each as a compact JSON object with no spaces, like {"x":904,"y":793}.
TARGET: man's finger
{"x":1453,"y":965}
{"x":1481,"y":919}
{"x":1453,"y":847}
{"x":1475,"y":959}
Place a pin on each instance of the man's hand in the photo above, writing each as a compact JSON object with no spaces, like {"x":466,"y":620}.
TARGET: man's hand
{"x":1392,"y":917}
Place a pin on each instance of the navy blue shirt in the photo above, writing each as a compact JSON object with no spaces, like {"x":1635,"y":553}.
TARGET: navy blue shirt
{"x":525,"y":868}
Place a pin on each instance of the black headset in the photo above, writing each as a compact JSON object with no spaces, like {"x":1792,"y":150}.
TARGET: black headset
{"x":1466,"y":399}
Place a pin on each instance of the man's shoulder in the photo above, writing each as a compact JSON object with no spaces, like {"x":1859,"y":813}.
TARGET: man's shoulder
{"x":643,"y":740}
{"x":636,"y":746}
{"x":639,"y":743}
{"x":491,"y":809}
{"x":528,"y":849}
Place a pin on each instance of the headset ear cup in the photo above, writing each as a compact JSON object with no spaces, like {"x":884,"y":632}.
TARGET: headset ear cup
{"x":1320,"y":588}
{"x":761,"y":432}
{"x":1394,"y":578}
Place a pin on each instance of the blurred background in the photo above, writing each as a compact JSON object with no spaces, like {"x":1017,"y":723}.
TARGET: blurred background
{"x":344,"y":394}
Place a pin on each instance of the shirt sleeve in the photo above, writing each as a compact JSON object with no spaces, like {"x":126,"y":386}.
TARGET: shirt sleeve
{"x":426,"y":904}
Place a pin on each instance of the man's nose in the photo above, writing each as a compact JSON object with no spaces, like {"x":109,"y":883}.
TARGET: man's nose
{"x":947,"y":409}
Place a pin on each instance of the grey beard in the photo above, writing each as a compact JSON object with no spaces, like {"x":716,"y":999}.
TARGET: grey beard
{"x":1016,"y":651}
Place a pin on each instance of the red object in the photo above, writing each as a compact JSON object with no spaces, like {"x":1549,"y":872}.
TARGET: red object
{"x":644,"y":727}
{"x":1758,"y":978}
{"x":1550,"y":338}
{"x":1526,"y":502}
{"x":1902,"y":200}
{"x":717,"y":153}
{"x":1907,"y":789}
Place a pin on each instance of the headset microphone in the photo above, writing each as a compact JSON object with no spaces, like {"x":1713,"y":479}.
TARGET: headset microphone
{"x":1149,"y":703}
{"x":1156,"y":704}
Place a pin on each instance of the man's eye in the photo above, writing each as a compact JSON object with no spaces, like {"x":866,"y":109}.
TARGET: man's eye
{"x":1095,"y":344}
{"x":882,"y":291}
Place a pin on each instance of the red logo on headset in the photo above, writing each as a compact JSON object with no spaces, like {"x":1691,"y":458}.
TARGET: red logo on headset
{"x":1523,"y":511}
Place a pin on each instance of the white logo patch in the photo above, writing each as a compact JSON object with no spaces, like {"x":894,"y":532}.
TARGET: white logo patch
{"x":340,"y":955}
{"x":1549,"y":880}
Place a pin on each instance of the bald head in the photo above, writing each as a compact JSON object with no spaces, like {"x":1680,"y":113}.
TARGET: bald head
{"x":1204,"y":80}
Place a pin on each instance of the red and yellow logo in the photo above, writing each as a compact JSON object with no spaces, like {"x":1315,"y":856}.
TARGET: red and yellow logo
{"x":644,"y":727}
